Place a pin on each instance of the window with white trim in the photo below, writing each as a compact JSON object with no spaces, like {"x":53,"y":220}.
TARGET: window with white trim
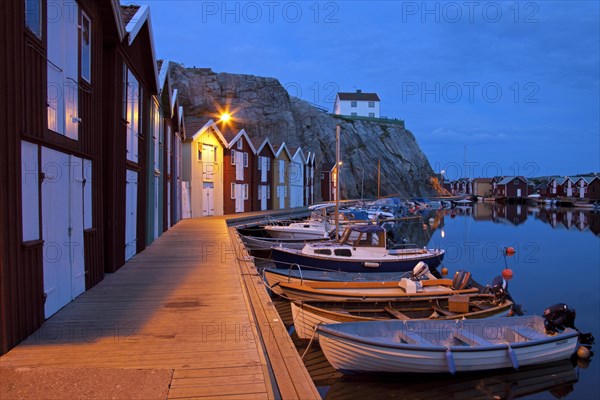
{"x":232,"y":157}
{"x":371,"y":104}
{"x":353,"y":104}
{"x":268,"y":192}
{"x":245,"y":191}
{"x":371,"y":115}
{"x":240,"y":144}
{"x":245,"y":160}
{"x":281,"y":171}
{"x":33,"y":17}
{"x":133,"y":113}
{"x":63,"y":69}
{"x":156,"y":126}
{"x":233,"y":191}
{"x":86,"y":47}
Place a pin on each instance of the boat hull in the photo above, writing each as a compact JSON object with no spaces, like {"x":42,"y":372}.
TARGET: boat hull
{"x":307,"y":318}
{"x":360,"y":353}
{"x":284,"y":260}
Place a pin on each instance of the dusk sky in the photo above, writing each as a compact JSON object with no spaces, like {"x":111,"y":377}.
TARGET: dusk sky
{"x":515,"y":84}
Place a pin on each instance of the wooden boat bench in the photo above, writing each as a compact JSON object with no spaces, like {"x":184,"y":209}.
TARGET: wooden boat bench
{"x":471,"y":339}
{"x":412,"y":337}
{"x":515,"y":335}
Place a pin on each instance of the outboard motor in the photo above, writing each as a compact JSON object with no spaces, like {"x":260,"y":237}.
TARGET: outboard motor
{"x":558,"y":317}
{"x":421,"y":271}
{"x":499,"y":288}
{"x":461,"y":280}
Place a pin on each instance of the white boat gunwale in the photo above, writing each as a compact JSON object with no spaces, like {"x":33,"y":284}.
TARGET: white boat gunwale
{"x":327,"y":330}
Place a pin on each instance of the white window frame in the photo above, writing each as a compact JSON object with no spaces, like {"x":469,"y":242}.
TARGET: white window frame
{"x":232,"y":191}
{"x":245,"y":191}
{"x":353,"y":104}
{"x":34,"y":14}
{"x":240,"y":145}
{"x":371,"y":115}
{"x":88,"y":76}
{"x":260,"y":163}
{"x":232,"y":157}
{"x":371,"y":104}
{"x":245,"y":160}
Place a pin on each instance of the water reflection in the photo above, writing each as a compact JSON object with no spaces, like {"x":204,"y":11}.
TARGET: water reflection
{"x":581,"y":220}
{"x":557,"y":379}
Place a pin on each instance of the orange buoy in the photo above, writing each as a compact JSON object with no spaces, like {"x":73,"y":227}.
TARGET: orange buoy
{"x":583,"y":352}
{"x":452,"y":216}
{"x":444,"y":271}
{"x":510,"y":251}
{"x":507,"y":274}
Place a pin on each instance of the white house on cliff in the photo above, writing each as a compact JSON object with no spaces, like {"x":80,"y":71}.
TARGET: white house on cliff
{"x":357,"y":104}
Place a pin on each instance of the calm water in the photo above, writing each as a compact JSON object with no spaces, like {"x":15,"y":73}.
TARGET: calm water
{"x":557,"y":260}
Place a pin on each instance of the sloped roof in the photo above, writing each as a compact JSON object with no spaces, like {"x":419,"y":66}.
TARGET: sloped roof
{"x":133,"y":26}
{"x":359,"y":96}
{"x":127,"y":12}
{"x":265,"y":142}
{"x":280,"y":149}
{"x":482,"y":180}
{"x":508,"y":179}
{"x":195,"y":126}
{"x":327,"y":166}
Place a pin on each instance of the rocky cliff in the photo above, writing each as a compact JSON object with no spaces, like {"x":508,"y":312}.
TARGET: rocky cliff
{"x":265,"y":109}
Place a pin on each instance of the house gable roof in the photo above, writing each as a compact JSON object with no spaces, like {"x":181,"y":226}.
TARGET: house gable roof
{"x":135,"y":24}
{"x":195,"y":128}
{"x":241,"y":133}
{"x":358,"y":96}
{"x":299,"y":153}
{"x":280,"y":149}
{"x":266,"y":142}
{"x":328,"y":167}
{"x":509,"y":179}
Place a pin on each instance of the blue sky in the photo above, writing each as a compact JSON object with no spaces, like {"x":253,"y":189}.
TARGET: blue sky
{"x":515,"y":84}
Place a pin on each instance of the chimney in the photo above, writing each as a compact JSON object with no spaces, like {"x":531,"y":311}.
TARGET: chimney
{"x":358,"y":91}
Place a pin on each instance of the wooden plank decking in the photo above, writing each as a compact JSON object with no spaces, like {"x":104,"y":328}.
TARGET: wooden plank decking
{"x":180,"y":305}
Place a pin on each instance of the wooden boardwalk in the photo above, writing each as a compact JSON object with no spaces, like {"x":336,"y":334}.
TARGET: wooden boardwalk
{"x":180,"y":305}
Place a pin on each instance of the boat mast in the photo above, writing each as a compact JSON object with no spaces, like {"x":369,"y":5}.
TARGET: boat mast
{"x":337,"y":180}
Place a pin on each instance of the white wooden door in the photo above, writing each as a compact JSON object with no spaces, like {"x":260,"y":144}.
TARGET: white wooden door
{"x":239,"y":166}
{"x":76,"y":218}
{"x":281,"y":190}
{"x":55,"y":230}
{"x":208,"y":203}
{"x":569,"y":190}
{"x":168,"y":204}
{"x":263,"y":197}
{"x":131,"y":215}
{"x":518,"y":192}
{"x":62,"y":228}
{"x":581,"y":192}
{"x":208,"y":162}
{"x":156,"y":205}
{"x":239,"y":198}
{"x":264,"y":165}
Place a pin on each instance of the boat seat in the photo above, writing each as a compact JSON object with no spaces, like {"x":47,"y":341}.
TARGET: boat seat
{"x":442,"y":311}
{"x":411,"y":337}
{"x":523,"y":336}
{"x":471,"y":338}
{"x":395,"y":313}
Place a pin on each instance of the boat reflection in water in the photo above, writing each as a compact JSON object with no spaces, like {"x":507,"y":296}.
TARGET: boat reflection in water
{"x":556,"y":378}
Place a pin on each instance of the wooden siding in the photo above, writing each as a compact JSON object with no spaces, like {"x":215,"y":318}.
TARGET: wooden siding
{"x":256,"y":175}
{"x":229,"y":177}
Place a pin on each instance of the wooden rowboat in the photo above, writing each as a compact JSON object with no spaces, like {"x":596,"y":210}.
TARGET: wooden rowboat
{"x":443,"y":346}
{"x":307,"y":315}
{"x":388,"y":290}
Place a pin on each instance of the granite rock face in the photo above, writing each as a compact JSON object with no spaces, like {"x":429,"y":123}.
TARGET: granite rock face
{"x":265,"y":109}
